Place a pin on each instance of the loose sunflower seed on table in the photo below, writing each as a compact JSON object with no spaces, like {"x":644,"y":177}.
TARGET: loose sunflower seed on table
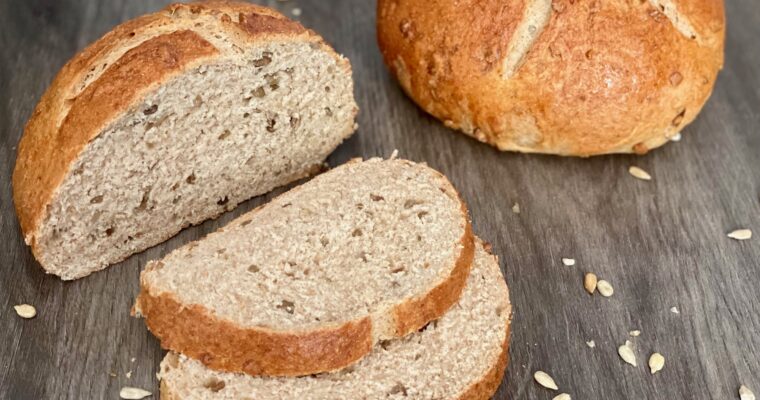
{"x":569,"y":262}
{"x":545,"y":380}
{"x":25,"y":311}
{"x":745,"y":393}
{"x":590,"y":282}
{"x":639,"y":173}
{"x":133,"y":393}
{"x":604,"y":288}
{"x":656,"y":363}
{"x":626,"y":353}
{"x":740,"y":234}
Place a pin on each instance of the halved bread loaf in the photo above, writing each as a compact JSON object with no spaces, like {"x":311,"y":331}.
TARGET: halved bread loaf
{"x":171,"y":119}
{"x":461,"y":356}
{"x":309,"y":282}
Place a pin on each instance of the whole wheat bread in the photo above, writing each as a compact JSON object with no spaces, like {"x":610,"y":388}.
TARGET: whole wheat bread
{"x":309,"y":282}
{"x":171,"y":119}
{"x":461,"y":356}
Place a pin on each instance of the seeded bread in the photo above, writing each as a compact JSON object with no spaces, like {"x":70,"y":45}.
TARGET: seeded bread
{"x":366,"y":252}
{"x":569,"y":77}
{"x":170,"y":119}
{"x":461,"y":356}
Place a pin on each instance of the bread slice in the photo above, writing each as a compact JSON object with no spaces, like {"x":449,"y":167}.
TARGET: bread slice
{"x":171,"y":119}
{"x":308,"y":283}
{"x":461,"y":356}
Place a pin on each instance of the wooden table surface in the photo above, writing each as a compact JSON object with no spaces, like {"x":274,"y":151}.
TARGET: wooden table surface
{"x":661,"y":244}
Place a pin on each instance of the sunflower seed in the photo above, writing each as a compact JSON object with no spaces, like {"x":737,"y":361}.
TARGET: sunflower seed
{"x":563,"y":396}
{"x":639,"y":173}
{"x":569,"y":262}
{"x":25,"y":311}
{"x":674,"y":310}
{"x":590,"y":282}
{"x":656,"y":363}
{"x":296,"y":11}
{"x":745,"y":393}
{"x":676,"y":137}
{"x":635,"y":333}
{"x":591,"y":344}
{"x":131,"y":393}
{"x":741,"y":234}
{"x":128,"y":374}
{"x":516,"y":208}
{"x":604,"y":288}
{"x":626,"y":353}
{"x":545,"y":380}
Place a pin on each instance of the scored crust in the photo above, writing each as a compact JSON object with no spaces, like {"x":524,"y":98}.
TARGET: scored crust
{"x":601,"y":77}
{"x":189,"y":329}
{"x":114,"y":73}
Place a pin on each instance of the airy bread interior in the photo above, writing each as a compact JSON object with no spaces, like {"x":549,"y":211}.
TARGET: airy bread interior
{"x":441,"y":361}
{"x":194,"y":147}
{"x":351,"y":243}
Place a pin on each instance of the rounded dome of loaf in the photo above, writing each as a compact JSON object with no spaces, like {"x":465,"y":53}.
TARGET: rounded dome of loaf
{"x":568,"y":77}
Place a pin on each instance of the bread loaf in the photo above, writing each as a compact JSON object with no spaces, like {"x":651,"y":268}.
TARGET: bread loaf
{"x":461,"y":356}
{"x":307,"y":283}
{"x":170,"y":119}
{"x":569,"y":77}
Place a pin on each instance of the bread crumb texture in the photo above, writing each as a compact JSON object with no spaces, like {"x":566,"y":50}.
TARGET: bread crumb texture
{"x":171,"y":119}
{"x":462,"y":355}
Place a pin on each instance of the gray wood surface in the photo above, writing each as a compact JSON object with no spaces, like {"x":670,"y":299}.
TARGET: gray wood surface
{"x":661,"y":243}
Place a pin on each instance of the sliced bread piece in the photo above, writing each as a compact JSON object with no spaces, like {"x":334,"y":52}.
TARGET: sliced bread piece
{"x":171,"y":119}
{"x":308,"y":283}
{"x":461,"y":356}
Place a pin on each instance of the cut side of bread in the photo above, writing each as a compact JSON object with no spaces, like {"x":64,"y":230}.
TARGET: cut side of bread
{"x":460,"y":356}
{"x":171,"y":119}
{"x":307,"y":283}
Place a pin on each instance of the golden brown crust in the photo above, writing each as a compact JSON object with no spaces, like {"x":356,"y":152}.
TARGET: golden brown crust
{"x":602,"y":76}
{"x":224,"y":346}
{"x":110,"y":76}
{"x":414,"y":314}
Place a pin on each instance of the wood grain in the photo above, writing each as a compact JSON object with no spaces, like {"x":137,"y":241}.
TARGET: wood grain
{"x":660,"y":243}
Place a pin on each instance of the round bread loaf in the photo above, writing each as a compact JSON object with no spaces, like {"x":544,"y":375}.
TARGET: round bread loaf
{"x":170,"y":119}
{"x":568,"y":77}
